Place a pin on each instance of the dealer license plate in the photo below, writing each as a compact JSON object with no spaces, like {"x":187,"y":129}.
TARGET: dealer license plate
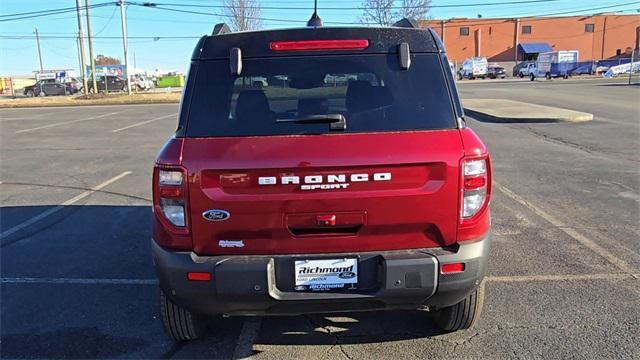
{"x":326,"y":274}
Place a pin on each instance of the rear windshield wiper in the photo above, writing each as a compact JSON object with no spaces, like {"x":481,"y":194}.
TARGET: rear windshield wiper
{"x":337,"y":121}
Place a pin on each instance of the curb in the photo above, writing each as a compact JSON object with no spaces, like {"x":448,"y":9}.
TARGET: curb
{"x":480,"y":116}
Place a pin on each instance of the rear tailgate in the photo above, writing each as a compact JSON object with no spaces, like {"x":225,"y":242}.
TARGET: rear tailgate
{"x":324,"y":193}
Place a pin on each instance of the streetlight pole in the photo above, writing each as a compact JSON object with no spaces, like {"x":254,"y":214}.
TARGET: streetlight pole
{"x":93,"y":59}
{"x":125,"y":41}
{"x":83,"y":60}
{"x":39,"y":52}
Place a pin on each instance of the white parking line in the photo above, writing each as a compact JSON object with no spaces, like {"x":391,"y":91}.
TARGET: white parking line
{"x":578,"y":277}
{"x":68,"y":122}
{"x":31,"y":280}
{"x":248,"y":335}
{"x":143,"y":123}
{"x":57,"y":208}
{"x":250,"y":329}
{"x":34,"y":117}
{"x":617,"y":262}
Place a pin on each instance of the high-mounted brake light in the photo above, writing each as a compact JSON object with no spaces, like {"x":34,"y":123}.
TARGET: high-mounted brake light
{"x":474,"y":194}
{"x":314,"y":45}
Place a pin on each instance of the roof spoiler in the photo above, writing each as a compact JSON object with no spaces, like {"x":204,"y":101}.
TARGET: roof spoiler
{"x":220,"y":29}
{"x":406,"y":23}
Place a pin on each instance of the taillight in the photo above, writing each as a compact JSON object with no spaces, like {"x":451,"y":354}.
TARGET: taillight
{"x":475,"y":182}
{"x":171,"y":196}
{"x":314,"y":45}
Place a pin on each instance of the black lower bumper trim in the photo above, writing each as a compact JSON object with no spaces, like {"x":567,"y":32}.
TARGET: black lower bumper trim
{"x":254,"y":285}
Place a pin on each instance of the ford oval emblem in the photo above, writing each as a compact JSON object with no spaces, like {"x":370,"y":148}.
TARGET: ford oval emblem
{"x":347,"y":275}
{"x":216,"y":215}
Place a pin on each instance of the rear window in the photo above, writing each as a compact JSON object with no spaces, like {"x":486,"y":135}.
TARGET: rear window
{"x":369,"y":91}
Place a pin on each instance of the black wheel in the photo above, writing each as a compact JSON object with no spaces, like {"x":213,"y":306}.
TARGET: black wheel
{"x":179,"y":323}
{"x":520,"y":75}
{"x":462,"y":315}
{"x":548,"y":76}
{"x":30,"y":93}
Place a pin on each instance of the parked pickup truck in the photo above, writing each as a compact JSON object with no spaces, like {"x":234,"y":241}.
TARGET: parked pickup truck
{"x":308,"y":194}
{"x":527,"y":70}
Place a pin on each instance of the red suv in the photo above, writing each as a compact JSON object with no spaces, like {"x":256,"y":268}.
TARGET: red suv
{"x":320,"y":170}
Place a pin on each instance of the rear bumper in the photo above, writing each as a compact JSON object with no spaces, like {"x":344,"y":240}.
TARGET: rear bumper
{"x":259,"y":285}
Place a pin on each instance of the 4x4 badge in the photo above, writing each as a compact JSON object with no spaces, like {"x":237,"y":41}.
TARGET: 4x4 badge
{"x":216,"y":215}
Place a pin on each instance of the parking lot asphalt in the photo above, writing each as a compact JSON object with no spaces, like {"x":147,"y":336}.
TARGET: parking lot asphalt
{"x":564,"y":278}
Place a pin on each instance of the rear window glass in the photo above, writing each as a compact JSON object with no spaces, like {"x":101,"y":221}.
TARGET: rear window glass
{"x":369,"y":91}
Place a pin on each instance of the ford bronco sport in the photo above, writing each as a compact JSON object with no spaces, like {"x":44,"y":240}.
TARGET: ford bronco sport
{"x":320,"y":170}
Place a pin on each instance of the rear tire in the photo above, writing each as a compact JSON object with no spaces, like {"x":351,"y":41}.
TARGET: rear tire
{"x":462,"y":315}
{"x":179,"y":323}
{"x":30,"y":93}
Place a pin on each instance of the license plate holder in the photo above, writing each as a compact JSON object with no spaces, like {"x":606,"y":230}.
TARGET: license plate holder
{"x":323,"y":275}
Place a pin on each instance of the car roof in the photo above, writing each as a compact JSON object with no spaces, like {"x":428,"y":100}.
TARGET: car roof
{"x":382,"y":40}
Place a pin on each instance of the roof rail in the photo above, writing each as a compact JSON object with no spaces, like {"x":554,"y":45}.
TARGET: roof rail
{"x":407,"y":23}
{"x":220,"y":29}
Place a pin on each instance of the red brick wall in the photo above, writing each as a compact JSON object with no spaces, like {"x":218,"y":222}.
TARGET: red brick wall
{"x":611,"y":32}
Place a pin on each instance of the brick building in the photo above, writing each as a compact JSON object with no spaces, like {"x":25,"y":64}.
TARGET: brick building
{"x":602,"y":36}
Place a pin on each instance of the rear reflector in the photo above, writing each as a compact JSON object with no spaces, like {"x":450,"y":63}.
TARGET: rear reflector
{"x":312,"y":45}
{"x":452,"y":268}
{"x":199,"y":276}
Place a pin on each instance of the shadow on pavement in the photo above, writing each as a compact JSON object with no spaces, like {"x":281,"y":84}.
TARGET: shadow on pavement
{"x":72,"y":342}
{"x":105,"y":320}
{"x":636,"y":83}
{"x":347,"y":328}
{"x":494,"y":120}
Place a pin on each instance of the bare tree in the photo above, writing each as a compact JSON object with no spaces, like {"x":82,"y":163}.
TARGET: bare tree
{"x":415,"y":9}
{"x":244,"y":14}
{"x":383,"y":12}
{"x":107,"y":60}
{"x":377,"y":12}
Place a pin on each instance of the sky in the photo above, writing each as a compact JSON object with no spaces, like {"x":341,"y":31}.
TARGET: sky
{"x":151,"y":46}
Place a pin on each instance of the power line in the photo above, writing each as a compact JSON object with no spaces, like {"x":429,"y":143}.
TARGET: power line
{"x":359,"y":7}
{"x":366,"y":23}
{"x":107,"y":23}
{"x":42,"y":13}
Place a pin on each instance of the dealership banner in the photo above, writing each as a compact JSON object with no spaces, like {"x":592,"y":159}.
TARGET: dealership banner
{"x":101,"y":70}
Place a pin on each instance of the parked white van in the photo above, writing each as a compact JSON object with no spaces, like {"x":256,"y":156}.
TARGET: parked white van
{"x":475,"y":67}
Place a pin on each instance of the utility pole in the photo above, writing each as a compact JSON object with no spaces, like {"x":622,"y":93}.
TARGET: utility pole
{"x":123,"y":20}
{"x":83,"y":61}
{"x":80,"y":60}
{"x":515,"y":40}
{"x":39,"y":52}
{"x":633,"y":52}
{"x":93,"y":59}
